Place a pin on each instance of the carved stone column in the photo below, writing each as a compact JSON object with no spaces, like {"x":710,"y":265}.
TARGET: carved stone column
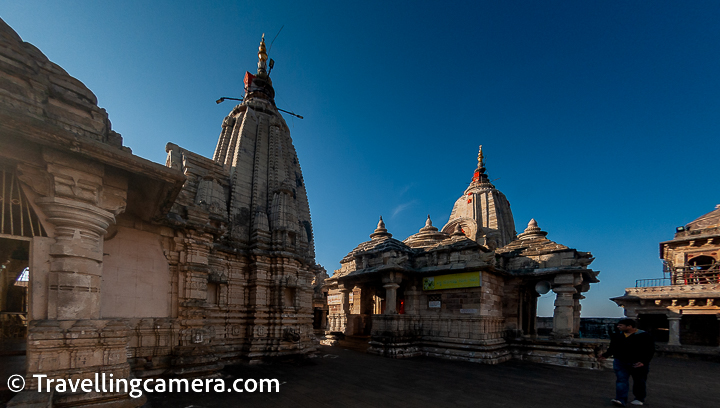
{"x":391,"y":298}
{"x":412,"y":300}
{"x":80,"y":199}
{"x":674,"y":329}
{"x":76,"y":257}
{"x":577,"y":307}
{"x":563,"y":316}
{"x":346,"y":321}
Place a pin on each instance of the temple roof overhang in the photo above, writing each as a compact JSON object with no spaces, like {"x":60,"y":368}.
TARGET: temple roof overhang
{"x":670,"y":292}
{"x":589,"y":275}
{"x":686,"y":237}
{"x":152,"y":187}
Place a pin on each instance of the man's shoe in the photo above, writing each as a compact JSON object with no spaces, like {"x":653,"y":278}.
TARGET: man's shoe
{"x":617,"y":403}
{"x":637,"y":402}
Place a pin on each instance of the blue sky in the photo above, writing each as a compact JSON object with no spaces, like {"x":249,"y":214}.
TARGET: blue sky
{"x":599,"y":119}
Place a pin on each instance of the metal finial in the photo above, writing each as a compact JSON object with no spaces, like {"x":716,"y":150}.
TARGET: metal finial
{"x":262,"y":55}
{"x":481,"y":162}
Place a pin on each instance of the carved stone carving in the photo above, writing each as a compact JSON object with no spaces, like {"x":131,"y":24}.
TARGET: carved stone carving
{"x":174,"y":157}
{"x":36,"y":178}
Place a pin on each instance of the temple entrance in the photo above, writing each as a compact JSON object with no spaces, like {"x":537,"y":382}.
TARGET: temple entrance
{"x":528,"y":310}
{"x":14,"y":301}
{"x":14,"y":278}
{"x":656,"y":324}
{"x":18,"y":225}
{"x":319,"y":318}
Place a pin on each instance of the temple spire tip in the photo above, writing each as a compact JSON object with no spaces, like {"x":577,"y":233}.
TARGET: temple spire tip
{"x":262,"y":56}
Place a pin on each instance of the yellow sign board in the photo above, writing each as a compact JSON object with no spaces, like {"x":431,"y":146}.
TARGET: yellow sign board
{"x":456,"y":280}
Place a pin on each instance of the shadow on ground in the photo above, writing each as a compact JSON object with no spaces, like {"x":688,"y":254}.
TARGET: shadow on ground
{"x":346,"y":378}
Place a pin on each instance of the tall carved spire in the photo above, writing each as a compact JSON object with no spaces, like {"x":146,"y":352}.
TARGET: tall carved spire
{"x":267,"y":198}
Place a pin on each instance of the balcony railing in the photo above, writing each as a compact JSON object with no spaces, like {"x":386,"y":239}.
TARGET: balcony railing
{"x":684,"y":275}
{"x":645,"y":283}
{"x":694,"y":275}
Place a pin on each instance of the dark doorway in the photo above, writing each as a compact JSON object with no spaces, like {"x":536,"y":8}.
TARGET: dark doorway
{"x":655,"y":324}
{"x":14,"y":279}
{"x":699,"y":330}
{"x":317,"y":318}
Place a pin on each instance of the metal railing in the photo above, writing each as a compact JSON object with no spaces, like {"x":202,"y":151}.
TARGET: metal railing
{"x":16,"y":214}
{"x":696,"y":275}
{"x":684,"y":275}
{"x":645,"y":283}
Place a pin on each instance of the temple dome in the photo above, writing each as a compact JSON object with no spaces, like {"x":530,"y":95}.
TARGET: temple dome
{"x":483,"y":212}
{"x":380,"y":240}
{"x":38,"y":92}
{"x":532,"y":231}
{"x":427,"y":236}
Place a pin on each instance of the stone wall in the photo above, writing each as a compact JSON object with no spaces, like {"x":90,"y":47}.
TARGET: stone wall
{"x":471,"y":338}
{"x":136,"y":280}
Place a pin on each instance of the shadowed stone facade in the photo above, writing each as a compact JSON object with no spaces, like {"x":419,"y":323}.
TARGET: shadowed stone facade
{"x":139,"y":269}
{"x":467,"y":291}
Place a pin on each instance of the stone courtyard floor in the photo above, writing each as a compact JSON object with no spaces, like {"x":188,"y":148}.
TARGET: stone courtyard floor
{"x":347,"y":378}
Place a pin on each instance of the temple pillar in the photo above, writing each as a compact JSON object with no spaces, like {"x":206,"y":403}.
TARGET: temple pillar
{"x":563,"y":315}
{"x":79,"y":199}
{"x":674,"y":329}
{"x":76,"y":257}
{"x":345,"y":310}
{"x":391,"y":298}
{"x":412,"y":300}
{"x":577,"y":307}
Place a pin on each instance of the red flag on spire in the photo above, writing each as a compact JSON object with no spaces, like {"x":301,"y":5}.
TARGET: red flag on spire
{"x":248,"y":80}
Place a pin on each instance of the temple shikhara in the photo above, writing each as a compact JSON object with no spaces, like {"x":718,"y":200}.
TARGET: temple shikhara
{"x":466,"y":291}
{"x":113,"y":264}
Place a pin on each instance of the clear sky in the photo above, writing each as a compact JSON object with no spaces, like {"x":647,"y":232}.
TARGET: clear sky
{"x":599,"y":119}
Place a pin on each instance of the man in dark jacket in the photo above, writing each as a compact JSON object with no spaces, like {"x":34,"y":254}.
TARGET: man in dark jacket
{"x":633,"y":349}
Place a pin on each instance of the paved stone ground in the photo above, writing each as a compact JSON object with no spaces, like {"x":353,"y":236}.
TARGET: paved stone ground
{"x":346,"y":378}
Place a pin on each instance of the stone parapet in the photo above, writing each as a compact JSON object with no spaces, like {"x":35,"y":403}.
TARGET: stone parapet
{"x":77,"y":350}
{"x":477,"y":339}
{"x":570,"y":353}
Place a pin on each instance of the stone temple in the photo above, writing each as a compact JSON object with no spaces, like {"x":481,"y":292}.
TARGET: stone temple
{"x":467,"y":291}
{"x":114,"y":264}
